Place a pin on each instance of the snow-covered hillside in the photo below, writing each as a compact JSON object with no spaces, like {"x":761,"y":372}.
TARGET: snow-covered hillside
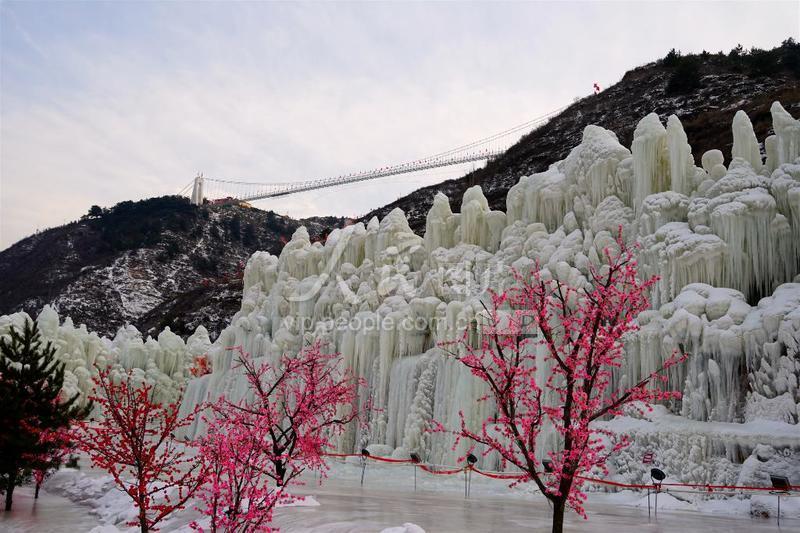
{"x":725,"y":242}
{"x":153,"y":263}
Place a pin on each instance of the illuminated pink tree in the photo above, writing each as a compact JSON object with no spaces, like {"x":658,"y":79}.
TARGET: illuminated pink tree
{"x":58,"y":446}
{"x":580,"y":331}
{"x":237,"y":495}
{"x":134,"y":441}
{"x":256,"y":448}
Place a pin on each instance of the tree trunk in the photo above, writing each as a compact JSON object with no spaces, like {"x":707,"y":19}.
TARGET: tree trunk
{"x":36,"y":492}
{"x":10,"y":483}
{"x":280,"y":473}
{"x":559,"y":506}
{"x":143,"y":520}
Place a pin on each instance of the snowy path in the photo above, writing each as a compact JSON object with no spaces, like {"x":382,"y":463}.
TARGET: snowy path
{"x":49,"y":514}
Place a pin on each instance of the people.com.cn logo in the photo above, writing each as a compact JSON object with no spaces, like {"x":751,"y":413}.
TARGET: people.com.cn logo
{"x":515,"y":323}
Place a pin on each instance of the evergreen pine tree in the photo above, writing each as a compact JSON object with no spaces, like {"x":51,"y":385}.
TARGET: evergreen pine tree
{"x":31,"y":379}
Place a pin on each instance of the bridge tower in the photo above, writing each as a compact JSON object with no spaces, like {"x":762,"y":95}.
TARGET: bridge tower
{"x":197,"y":190}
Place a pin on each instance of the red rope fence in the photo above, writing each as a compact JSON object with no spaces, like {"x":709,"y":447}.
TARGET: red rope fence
{"x":443,"y":472}
{"x":432,"y":469}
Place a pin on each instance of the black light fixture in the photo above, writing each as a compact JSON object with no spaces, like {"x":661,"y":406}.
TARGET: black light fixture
{"x":780,"y":487}
{"x":415,"y":460}
{"x":656,"y":474}
{"x":548,"y":466}
{"x":780,"y":483}
{"x":364,"y":455}
{"x":471,"y":460}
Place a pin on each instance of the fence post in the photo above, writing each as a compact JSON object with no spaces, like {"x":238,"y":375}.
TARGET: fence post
{"x":415,"y":461}
{"x":471,"y":460}
{"x":364,"y":455}
{"x":657,"y":476}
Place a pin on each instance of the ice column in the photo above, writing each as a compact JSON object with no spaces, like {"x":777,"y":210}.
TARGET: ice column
{"x":479,"y":224}
{"x":681,"y":162}
{"x":650,"y":161}
{"x":745,"y":143}
{"x":439,"y":225}
{"x":787,"y":134}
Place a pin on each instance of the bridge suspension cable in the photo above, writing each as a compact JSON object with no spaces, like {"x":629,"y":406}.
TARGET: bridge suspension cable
{"x":222,"y":190}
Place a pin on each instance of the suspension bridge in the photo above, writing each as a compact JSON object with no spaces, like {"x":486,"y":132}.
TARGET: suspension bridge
{"x":217,"y":190}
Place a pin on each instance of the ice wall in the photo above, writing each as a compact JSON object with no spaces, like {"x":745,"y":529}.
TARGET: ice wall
{"x":386,"y":299}
{"x":724,"y":241}
{"x":743,"y":363}
{"x":597,"y":168}
{"x":163,"y":362}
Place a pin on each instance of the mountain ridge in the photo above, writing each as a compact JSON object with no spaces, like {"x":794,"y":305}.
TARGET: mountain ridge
{"x":162,"y":262}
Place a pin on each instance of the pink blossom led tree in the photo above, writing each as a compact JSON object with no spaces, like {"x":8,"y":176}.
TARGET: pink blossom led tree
{"x":134,"y":441}
{"x":256,"y":448}
{"x":58,"y":446}
{"x":237,"y":496}
{"x":580,"y":332}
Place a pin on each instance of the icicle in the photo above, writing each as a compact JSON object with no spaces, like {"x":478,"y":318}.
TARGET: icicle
{"x":439,"y":224}
{"x":771,"y":149}
{"x":681,"y":161}
{"x":480,"y":225}
{"x":745,"y":144}
{"x":787,"y":134}
{"x":650,"y":161}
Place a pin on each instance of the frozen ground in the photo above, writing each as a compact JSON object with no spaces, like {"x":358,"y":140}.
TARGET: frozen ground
{"x":51,"y":513}
{"x":388,"y":500}
{"x":438,"y":505}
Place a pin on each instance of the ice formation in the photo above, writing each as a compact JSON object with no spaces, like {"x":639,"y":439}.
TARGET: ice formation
{"x":745,"y":143}
{"x":723,"y":239}
{"x":725,"y":242}
{"x":163,"y":362}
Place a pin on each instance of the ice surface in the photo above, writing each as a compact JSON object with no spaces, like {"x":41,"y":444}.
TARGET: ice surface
{"x":388,"y":499}
{"x":51,"y":513}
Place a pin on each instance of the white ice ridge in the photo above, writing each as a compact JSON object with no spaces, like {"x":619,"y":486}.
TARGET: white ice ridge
{"x":163,"y":362}
{"x":724,"y":241}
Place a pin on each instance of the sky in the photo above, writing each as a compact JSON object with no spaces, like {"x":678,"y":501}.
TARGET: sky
{"x":102,"y":102}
